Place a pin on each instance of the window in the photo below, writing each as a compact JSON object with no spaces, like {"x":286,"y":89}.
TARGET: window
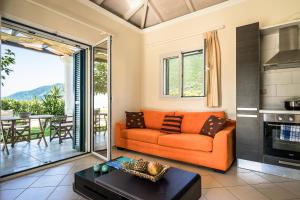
{"x":187,"y":80}
{"x":172,"y":76}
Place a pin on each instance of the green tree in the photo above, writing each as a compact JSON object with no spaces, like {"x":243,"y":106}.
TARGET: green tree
{"x":100,"y":78}
{"x":53,"y":102}
{"x":6,"y":61}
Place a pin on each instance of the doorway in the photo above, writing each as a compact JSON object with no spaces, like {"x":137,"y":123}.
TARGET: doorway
{"x":42,"y":98}
{"x":101,"y":101}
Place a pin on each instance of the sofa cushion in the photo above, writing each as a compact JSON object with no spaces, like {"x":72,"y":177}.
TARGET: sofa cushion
{"x":193,"y":122}
{"x":142,"y":135}
{"x":154,"y":119}
{"x":171,"y":124}
{"x":213,"y":125}
{"x":135,"y":120}
{"x":187,"y":141}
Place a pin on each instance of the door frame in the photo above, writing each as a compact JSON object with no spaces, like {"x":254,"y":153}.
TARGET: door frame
{"x":107,"y":39}
{"x":45,"y":33}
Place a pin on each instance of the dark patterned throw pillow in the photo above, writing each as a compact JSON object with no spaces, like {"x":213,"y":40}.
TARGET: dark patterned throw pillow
{"x":213,"y":125}
{"x":135,"y":120}
{"x":171,"y":124}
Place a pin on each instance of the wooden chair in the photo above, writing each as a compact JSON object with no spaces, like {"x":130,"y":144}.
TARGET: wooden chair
{"x":13,"y":132}
{"x":100,"y":122}
{"x":6,"y":134}
{"x":23,"y":130}
{"x":61,"y":127}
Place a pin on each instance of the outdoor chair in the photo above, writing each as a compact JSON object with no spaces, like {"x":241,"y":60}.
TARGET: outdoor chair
{"x":100,"y":122}
{"x":13,"y":132}
{"x":61,"y":127}
{"x":6,"y":134}
{"x":23,"y":130}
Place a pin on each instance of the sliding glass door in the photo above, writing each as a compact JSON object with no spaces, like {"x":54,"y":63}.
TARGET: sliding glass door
{"x":101,"y":102}
{"x":43,"y":98}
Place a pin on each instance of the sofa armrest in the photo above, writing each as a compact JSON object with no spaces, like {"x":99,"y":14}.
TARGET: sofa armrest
{"x":119,"y":127}
{"x":224,"y":145}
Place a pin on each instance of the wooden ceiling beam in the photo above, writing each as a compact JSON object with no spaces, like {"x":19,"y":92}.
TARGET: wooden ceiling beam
{"x":190,"y":6}
{"x":153,"y":7}
{"x":131,"y":12}
{"x":98,"y":2}
{"x":144,"y":15}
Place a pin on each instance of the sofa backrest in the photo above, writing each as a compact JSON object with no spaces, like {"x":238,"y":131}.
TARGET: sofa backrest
{"x":193,"y":122}
{"x":154,"y":119}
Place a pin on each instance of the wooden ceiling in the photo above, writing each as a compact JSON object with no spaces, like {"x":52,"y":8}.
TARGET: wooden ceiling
{"x":147,"y":13}
{"x":29,"y":41}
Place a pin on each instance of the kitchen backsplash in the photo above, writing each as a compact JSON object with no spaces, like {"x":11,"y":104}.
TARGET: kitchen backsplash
{"x":277,"y":85}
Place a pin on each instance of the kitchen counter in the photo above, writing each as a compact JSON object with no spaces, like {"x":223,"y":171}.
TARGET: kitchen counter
{"x":297,"y":112}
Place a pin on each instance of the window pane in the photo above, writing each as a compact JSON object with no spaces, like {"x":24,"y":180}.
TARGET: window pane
{"x":193,"y":74}
{"x":171,"y":76}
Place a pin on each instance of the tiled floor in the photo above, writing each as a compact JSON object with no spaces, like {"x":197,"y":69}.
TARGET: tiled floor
{"x":236,"y":184}
{"x":28,"y":155}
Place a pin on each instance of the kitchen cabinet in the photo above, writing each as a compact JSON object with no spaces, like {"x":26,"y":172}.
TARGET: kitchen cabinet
{"x":247,"y":92}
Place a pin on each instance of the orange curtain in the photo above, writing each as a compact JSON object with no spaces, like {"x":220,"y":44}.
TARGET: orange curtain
{"x":213,"y":69}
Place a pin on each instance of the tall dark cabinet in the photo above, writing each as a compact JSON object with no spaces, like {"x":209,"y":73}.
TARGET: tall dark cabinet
{"x":248,"y":95}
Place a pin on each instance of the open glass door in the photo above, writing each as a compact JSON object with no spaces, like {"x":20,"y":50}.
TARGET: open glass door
{"x":101,"y":102}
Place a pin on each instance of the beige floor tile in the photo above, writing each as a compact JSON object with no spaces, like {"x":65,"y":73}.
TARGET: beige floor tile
{"x":36,"y":193}
{"x":274,"y":191}
{"x":246,"y":193}
{"x":235,"y":170}
{"x":18,"y":183}
{"x":252,"y":178}
{"x":63,"y":192}
{"x":60,"y":170}
{"x":67,"y":180}
{"x":293,"y":187}
{"x":209,"y":182}
{"x":48,"y":181}
{"x":37,"y":174}
{"x":219,"y":194}
{"x":10,"y":194}
{"x":273,"y":178}
{"x":79,"y":167}
{"x":229,"y":179}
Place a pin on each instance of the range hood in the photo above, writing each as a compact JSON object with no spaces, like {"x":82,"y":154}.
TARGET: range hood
{"x":289,"y":52}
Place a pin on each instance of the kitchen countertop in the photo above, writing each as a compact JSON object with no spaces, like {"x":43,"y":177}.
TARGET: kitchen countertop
{"x":280,"y":111}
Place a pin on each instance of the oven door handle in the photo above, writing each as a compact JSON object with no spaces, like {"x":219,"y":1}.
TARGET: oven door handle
{"x":273,"y":124}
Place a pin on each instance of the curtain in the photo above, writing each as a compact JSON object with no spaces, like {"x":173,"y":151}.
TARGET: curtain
{"x":213,"y":69}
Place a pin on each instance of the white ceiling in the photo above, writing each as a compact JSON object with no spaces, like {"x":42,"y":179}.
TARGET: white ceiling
{"x":147,"y":13}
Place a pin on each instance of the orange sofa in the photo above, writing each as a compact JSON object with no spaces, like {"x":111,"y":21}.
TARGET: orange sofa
{"x":189,"y":146}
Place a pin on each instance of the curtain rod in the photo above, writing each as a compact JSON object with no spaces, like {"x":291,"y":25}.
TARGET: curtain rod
{"x":188,"y":36}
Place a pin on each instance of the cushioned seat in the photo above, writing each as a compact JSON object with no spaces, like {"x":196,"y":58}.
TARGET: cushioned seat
{"x":143,"y":135}
{"x":195,"y":142}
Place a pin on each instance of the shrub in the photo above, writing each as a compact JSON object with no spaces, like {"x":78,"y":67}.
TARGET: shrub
{"x":52,"y":104}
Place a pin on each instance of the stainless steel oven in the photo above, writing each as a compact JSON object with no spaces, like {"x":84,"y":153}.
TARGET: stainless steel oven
{"x":282,"y":136}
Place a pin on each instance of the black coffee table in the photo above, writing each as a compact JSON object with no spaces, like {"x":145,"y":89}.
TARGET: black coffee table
{"x":176,"y":184}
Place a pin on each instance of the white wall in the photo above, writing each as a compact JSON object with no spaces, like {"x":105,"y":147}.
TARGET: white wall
{"x":76,"y":20}
{"x":135,"y":56}
{"x":183,"y":34}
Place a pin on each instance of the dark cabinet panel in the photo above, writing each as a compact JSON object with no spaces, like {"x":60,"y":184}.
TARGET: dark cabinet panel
{"x":248,"y":139}
{"x":247,"y":65}
{"x":247,"y":89}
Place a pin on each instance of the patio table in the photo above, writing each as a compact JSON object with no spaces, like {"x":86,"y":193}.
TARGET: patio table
{"x":40,"y":135}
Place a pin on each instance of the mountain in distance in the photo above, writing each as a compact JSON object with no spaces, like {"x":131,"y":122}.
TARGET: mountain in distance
{"x":37,"y":92}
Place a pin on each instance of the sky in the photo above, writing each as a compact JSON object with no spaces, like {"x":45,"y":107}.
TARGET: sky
{"x":32,"y":69}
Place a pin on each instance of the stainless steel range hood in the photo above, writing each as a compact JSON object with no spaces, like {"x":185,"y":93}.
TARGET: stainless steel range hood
{"x":289,"y":52}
